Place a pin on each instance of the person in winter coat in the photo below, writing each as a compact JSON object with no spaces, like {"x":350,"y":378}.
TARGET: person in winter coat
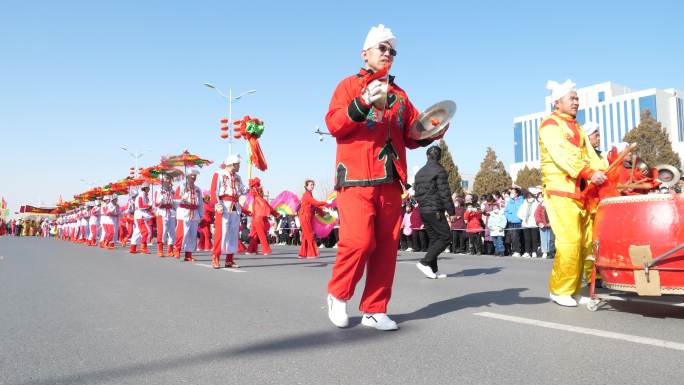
{"x":473,"y":218}
{"x":434,"y":197}
{"x":514,"y":221}
{"x":496,"y":225}
{"x":545,"y":232}
{"x":406,"y":229}
{"x":529,"y":225}
{"x":458,"y":234}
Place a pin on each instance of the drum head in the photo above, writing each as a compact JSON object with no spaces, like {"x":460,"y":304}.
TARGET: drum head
{"x":433,"y":121}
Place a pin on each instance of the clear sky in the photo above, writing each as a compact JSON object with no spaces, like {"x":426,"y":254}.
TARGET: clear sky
{"x":80,"y":79}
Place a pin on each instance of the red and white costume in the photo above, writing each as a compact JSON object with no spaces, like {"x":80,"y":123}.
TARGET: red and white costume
{"x":226,"y":188}
{"x":190,"y":209}
{"x":94,"y":224}
{"x":110,"y":211}
{"x":141,"y":216}
{"x":165,"y":208}
{"x":83,"y":216}
{"x":370,"y":171}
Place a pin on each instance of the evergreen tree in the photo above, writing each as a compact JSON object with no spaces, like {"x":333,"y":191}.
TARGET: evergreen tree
{"x":447,"y":162}
{"x":528,"y":177}
{"x":492,"y":175}
{"x":653,"y":142}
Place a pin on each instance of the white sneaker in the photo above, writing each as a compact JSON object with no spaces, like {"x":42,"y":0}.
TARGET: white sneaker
{"x":515,"y":255}
{"x":337,"y":312}
{"x":545,"y":255}
{"x":526,"y":255}
{"x":448,"y":250}
{"x":582,"y":300}
{"x":334,"y":247}
{"x":320,"y":246}
{"x":563,"y":300}
{"x":409,"y":249}
{"x":426,"y":270}
{"x":379,"y":321}
{"x":534,"y":255}
{"x":439,"y":276}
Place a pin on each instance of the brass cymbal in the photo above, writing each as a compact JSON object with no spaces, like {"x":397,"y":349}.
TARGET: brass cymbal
{"x":433,"y":121}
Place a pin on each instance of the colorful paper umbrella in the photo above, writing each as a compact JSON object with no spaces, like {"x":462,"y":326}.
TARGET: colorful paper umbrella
{"x":185,"y":159}
{"x":324,"y":224}
{"x":286,"y":203}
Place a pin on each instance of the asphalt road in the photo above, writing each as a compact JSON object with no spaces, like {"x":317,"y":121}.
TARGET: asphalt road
{"x":71,"y":314}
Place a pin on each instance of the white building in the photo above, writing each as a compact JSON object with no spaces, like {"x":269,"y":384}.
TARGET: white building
{"x":615,"y":108}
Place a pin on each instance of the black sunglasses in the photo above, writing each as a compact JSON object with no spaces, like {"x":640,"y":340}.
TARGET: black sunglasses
{"x":384,"y":48}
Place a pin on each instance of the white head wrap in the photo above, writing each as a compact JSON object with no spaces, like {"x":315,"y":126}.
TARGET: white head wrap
{"x":558,"y":90}
{"x":232,"y":159}
{"x":590,"y":127}
{"x":145,"y":184}
{"x":192,"y":171}
{"x":379,"y":34}
{"x":114,"y":196}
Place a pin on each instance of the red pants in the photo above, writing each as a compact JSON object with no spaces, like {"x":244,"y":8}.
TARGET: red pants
{"x":204,"y":236}
{"x":258,"y":234}
{"x":308,"y":247}
{"x":93,"y":234}
{"x":108,"y":233}
{"x":144,"y":230}
{"x":370,"y":221}
{"x":129,"y":230}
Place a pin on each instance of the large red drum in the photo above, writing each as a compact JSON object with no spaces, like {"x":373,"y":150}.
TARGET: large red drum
{"x":656,"y":220}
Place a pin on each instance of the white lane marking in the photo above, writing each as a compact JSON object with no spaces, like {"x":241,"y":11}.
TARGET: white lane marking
{"x":222,"y":269}
{"x":588,"y":331}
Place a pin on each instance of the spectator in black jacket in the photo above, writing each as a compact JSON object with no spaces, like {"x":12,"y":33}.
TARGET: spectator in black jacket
{"x":434,"y":199}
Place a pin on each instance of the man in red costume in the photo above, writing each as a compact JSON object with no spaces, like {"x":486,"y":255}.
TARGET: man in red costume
{"x":370,"y":117}
{"x":260,"y":212}
{"x":308,"y":249}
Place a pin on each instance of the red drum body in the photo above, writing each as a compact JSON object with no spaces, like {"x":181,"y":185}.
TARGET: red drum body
{"x":656,"y":220}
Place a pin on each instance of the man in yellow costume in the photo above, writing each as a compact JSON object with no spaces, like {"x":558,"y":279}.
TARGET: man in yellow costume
{"x":566,"y":167}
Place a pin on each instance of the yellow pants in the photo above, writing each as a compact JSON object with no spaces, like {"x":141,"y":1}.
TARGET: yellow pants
{"x":588,"y":265}
{"x":570,"y":224}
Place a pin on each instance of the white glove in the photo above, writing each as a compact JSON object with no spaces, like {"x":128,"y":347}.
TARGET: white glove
{"x":375,"y":94}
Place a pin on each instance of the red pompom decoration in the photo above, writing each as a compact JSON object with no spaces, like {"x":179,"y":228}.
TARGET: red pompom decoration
{"x":224,"y":135}
{"x":224,"y":121}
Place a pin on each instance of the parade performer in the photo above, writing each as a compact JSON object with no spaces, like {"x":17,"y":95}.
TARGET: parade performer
{"x":226,"y":189}
{"x":205,"y":225}
{"x":189,"y":201}
{"x":260,"y":212}
{"x":370,"y":119}
{"x":117,"y":217}
{"x":308,"y":204}
{"x":84,"y":216}
{"x":94,"y":223}
{"x":166,"y":216}
{"x":127,"y":220}
{"x":110,"y":211}
{"x":141,"y":216}
{"x":566,"y":167}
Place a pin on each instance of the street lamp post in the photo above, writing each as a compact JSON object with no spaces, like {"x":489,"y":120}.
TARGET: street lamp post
{"x":230,"y":100}
{"x":135,"y":155}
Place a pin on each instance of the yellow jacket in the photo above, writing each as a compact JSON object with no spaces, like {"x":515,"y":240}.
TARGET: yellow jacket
{"x":564,"y":156}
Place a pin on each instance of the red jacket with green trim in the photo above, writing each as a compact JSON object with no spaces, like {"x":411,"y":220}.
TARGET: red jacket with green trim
{"x":370,"y":153}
